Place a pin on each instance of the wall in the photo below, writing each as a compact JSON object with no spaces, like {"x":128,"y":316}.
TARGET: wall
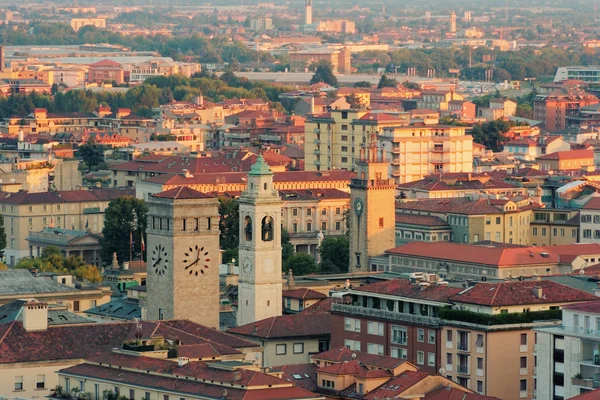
{"x":270,"y":357}
{"x":29,"y":372}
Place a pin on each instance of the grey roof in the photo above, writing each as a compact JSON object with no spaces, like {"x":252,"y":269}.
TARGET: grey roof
{"x":124,"y":309}
{"x":580,"y":282}
{"x":57,"y":315}
{"x":21,"y":282}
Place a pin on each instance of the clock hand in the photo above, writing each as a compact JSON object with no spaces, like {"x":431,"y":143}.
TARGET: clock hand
{"x":157,"y":262}
{"x":194,"y":263}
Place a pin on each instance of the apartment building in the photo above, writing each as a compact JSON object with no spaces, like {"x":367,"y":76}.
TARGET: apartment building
{"x":333,"y":140}
{"x":338,"y":58}
{"x":568,"y":355}
{"x":417,"y":151}
{"x":536,"y":146}
{"x":396,"y":318}
{"x":550,"y":227}
{"x":487,"y":343}
{"x":589,"y":228}
{"x":437,"y":100}
{"x":554,"y":108}
{"x":26,"y":212}
{"x":571,"y":160}
{"x":106,"y":71}
{"x":470,"y":221}
{"x":78,"y":23}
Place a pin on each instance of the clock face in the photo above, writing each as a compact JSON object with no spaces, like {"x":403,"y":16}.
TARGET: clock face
{"x":196,"y":260}
{"x":247,"y":267}
{"x":359,"y":206}
{"x":160,"y":260}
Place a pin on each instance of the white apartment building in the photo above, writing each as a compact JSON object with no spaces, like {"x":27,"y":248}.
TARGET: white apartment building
{"x":589,"y":225}
{"x":417,"y":151}
{"x":568,"y":356}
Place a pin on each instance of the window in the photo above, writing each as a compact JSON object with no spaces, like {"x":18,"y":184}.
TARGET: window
{"x":147,"y":396}
{"x":534,"y":231}
{"x":374,"y":348}
{"x":449,"y":358}
{"x":431,"y":337}
{"x":309,"y":227}
{"x":449,"y":336}
{"x":399,"y":352}
{"x":375,"y":328}
{"x":76,"y":305}
{"x":160,"y":314}
{"x":420,"y":357}
{"x":183,"y":221}
{"x":323,"y":226}
{"x":523,"y":385}
{"x":295,"y":212}
{"x":352,"y":325}
{"x":479,"y":341}
{"x":380,"y":222}
{"x":431,"y":359}
{"x":338,"y":225}
{"x":523,"y":339}
{"x":479,"y":387}
{"x":420,"y":335}
{"x":18,"y":383}
{"x":344,"y":138}
{"x":338,"y":210}
{"x":399,"y":334}
{"x":344,"y":149}
{"x":323,"y":211}
{"x":586,"y":218}
{"x":587,"y":233}
{"x":295,"y":227}
{"x":344,"y":127}
{"x":132,"y":393}
{"x":165,"y":397}
{"x":344,"y":159}
{"x":309,"y":211}
{"x":479,"y":363}
{"x":298,"y":348}
{"x":488,"y":221}
{"x":40,"y":382}
{"x":281,"y":349}
{"x":352,"y":344}
{"x":497,"y":220}
{"x":523,"y":362}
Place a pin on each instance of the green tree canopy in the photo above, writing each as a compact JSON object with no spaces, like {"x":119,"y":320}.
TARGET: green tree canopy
{"x":124,"y":221}
{"x":324,"y":73}
{"x":53,"y":260}
{"x":386,"y":82}
{"x":229,"y":225}
{"x":335,"y":255}
{"x":301,"y":264}
{"x":91,"y":154}
{"x":2,"y":237}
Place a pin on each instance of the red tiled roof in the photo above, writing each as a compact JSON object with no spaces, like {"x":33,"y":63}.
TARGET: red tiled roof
{"x":342,"y":354}
{"x":322,"y":307}
{"x":396,"y":385}
{"x":303,"y":294}
{"x":421,"y":220}
{"x":313,"y":194}
{"x":303,"y":376}
{"x":568,"y":155}
{"x":590,"y":307}
{"x":592,"y":204}
{"x":490,"y":256}
{"x":520,"y":293}
{"x":286,"y":326}
{"x":182,"y":193}
{"x":378,"y":117}
{"x":65,"y":196}
{"x":461,"y":205}
{"x":593,"y":395}
{"x":448,"y":393}
{"x":404,"y":288}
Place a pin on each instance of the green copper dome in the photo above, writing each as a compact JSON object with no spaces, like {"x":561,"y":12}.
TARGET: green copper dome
{"x":260,"y":167}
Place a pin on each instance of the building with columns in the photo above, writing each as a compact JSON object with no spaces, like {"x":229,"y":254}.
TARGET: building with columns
{"x":373,"y":216}
{"x":260,"y":282}
{"x":183,"y":256}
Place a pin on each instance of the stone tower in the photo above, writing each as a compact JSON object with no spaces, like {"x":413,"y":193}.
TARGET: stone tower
{"x":183,"y":256}
{"x":372,"y":202}
{"x":260,"y":282}
{"x":308,"y":18}
{"x":452,"y":26}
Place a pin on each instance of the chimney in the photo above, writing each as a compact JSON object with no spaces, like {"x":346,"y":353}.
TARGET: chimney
{"x":35,"y":316}
{"x":537,"y":292}
{"x":181,"y":361}
{"x":126,"y":265}
{"x":230,"y":267}
{"x":312,"y":105}
{"x":237,"y":376}
{"x":187,"y":173}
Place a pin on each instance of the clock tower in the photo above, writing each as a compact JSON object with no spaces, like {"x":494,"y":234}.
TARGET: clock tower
{"x":260,"y":281}
{"x":372,"y":208}
{"x":183,"y":256}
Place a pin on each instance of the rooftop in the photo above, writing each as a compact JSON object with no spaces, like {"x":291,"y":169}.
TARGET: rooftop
{"x":286,"y":326}
{"x":405,"y":288}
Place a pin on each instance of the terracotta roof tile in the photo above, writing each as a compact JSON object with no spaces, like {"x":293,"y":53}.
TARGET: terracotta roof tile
{"x":342,"y":354}
{"x":182,"y":193}
{"x":286,"y":326}
{"x":404,"y":288}
{"x":420,"y":220}
{"x":303,"y":294}
{"x":520,"y":293}
{"x":396,"y":385}
{"x":448,"y":393}
{"x":590,"y":307}
{"x":568,"y":155}
{"x":592,"y":204}
{"x":461,"y":205}
{"x":303,"y":376}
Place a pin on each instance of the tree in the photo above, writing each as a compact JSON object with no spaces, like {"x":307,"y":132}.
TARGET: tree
{"x":386,"y":82}
{"x":335,"y":255}
{"x":124,"y":223}
{"x":324,"y":73}
{"x":354,"y":101}
{"x":2,"y":237}
{"x":491,"y":134}
{"x":91,"y":154}
{"x":287,"y":248}
{"x":362,"y":84}
{"x":229,"y":224}
{"x":301,"y":264}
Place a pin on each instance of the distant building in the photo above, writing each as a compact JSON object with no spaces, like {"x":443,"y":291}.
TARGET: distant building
{"x":106,"y":71}
{"x":337,"y":26}
{"x":78,"y":23}
{"x":588,"y":74}
{"x":452,"y":26}
{"x":554,"y":108}
{"x":261,"y":24}
{"x":308,"y":12}
{"x":339,"y":59}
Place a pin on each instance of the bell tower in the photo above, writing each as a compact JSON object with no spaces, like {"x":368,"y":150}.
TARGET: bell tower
{"x":260,"y":282}
{"x":183,"y":256}
{"x":372,"y":202}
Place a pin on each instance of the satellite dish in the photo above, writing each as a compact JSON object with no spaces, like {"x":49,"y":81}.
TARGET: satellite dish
{"x":442,"y":371}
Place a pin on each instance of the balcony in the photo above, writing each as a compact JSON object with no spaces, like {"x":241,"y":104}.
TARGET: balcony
{"x":462,"y":369}
{"x":384,"y":314}
{"x":396,"y":173}
{"x":395,"y":161}
{"x":462,"y":346}
{"x":585,"y":382}
{"x":317,"y":142}
{"x":365,"y":183}
{"x":317,"y":152}
{"x":317,"y":130}
{"x":396,"y":150}
{"x":317,"y":162}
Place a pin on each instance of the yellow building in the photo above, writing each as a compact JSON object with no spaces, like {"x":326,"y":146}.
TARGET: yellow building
{"x":31,"y":212}
{"x":417,"y":151}
{"x":437,"y":99}
{"x":494,"y":355}
{"x":550,"y":227}
{"x":338,"y":58}
{"x":472,"y":221}
{"x":333,"y":140}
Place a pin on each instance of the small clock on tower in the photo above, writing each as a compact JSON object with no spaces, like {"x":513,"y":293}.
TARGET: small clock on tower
{"x":359,"y":206}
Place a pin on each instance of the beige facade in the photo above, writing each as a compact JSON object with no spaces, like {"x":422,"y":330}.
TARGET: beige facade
{"x":372,"y":215}
{"x":31,"y":212}
{"x":437,"y":100}
{"x":35,"y":378}
{"x":333,"y":140}
{"x":417,"y":151}
{"x":183,"y":257}
{"x":550,"y":227}
{"x":78,"y":23}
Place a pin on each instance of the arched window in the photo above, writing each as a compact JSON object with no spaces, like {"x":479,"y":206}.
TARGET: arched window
{"x":248,"y":228}
{"x":265,"y":186}
{"x":267,"y":229}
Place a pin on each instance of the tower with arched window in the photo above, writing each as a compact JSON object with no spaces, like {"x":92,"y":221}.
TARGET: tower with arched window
{"x":260,"y":281}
